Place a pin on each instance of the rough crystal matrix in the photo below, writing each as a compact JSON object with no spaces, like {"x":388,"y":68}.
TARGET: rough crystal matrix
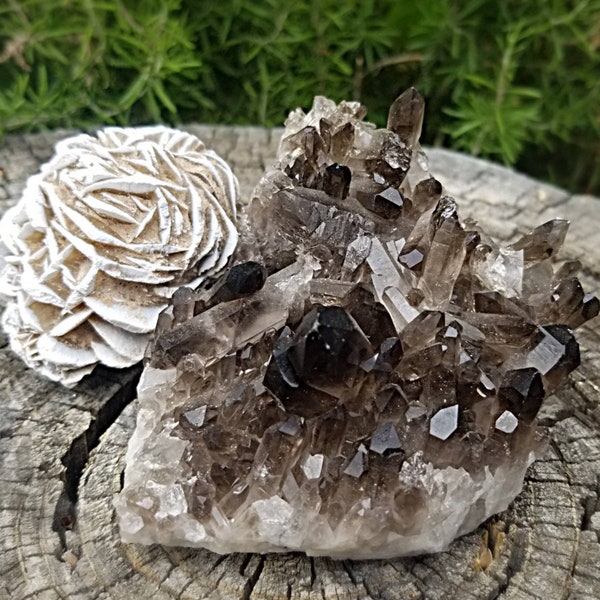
{"x":364,"y":382}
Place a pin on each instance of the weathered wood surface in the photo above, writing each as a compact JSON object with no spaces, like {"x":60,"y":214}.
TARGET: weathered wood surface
{"x":61,"y":446}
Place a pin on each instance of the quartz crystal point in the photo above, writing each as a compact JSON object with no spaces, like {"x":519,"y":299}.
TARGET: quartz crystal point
{"x":100,"y":239}
{"x":364,"y":382}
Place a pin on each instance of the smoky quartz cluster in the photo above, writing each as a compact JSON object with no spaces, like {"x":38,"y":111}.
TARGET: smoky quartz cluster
{"x":364,"y":381}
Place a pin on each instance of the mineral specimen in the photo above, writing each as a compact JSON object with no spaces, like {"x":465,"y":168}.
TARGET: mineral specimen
{"x":101,"y":238}
{"x":364,"y":382}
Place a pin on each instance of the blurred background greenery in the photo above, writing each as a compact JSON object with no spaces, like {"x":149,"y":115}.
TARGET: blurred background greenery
{"x":516,"y":81}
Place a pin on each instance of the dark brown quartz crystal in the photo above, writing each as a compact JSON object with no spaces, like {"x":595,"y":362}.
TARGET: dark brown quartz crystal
{"x":364,"y":381}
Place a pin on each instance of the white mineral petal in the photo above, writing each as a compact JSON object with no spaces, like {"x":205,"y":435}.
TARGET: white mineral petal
{"x":69,"y":322}
{"x":109,"y":356}
{"x":141,"y":319}
{"x":128,"y":344}
{"x":54,"y":351}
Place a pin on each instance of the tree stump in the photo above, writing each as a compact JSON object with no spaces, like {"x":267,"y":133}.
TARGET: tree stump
{"x":62,"y":451}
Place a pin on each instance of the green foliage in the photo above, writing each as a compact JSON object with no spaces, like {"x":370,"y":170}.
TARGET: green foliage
{"x":512,"y":80}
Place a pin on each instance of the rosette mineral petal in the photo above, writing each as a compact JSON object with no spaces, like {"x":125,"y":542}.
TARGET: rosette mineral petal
{"x":107,"y":230}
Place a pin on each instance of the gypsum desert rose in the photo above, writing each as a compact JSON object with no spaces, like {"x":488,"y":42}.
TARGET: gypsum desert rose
{"x":100,"y":239}
{"x":364,"y":381}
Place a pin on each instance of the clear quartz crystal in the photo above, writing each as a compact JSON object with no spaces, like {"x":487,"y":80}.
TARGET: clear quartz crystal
{"x":444,"y":423}
{"x":364,"y":382}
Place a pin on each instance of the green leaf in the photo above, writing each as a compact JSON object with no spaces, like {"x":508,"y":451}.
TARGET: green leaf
{"x":162,"y":95}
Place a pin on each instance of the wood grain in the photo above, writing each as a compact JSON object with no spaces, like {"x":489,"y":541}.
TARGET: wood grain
{"x":62,"y":451}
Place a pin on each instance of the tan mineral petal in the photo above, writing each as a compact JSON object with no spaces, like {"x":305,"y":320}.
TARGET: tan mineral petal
{"x":107,"y":230}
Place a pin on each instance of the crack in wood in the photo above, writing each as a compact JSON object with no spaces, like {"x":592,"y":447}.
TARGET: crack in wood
{"x":253,"y":579}
{"x":590,"y":506}
{"x":348,"y":568}
{"x":76,"y":457}
{"x":245,"y":563}
{"x":313,"y":572}
{"x":219,"y":559}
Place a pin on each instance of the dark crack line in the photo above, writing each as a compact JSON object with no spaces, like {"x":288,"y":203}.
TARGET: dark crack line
{"x":217,"y":562}
{"x":253,"y":579}
{"x":348,"y":568}
{"x":367,"y":587}
{"x":245,"y":564}
{"x":313,"y":572}
{"x":591,"y":504}
{"x":75,"y":459}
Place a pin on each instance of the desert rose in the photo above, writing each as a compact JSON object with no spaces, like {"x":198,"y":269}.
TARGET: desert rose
{"x":101,"y":238}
